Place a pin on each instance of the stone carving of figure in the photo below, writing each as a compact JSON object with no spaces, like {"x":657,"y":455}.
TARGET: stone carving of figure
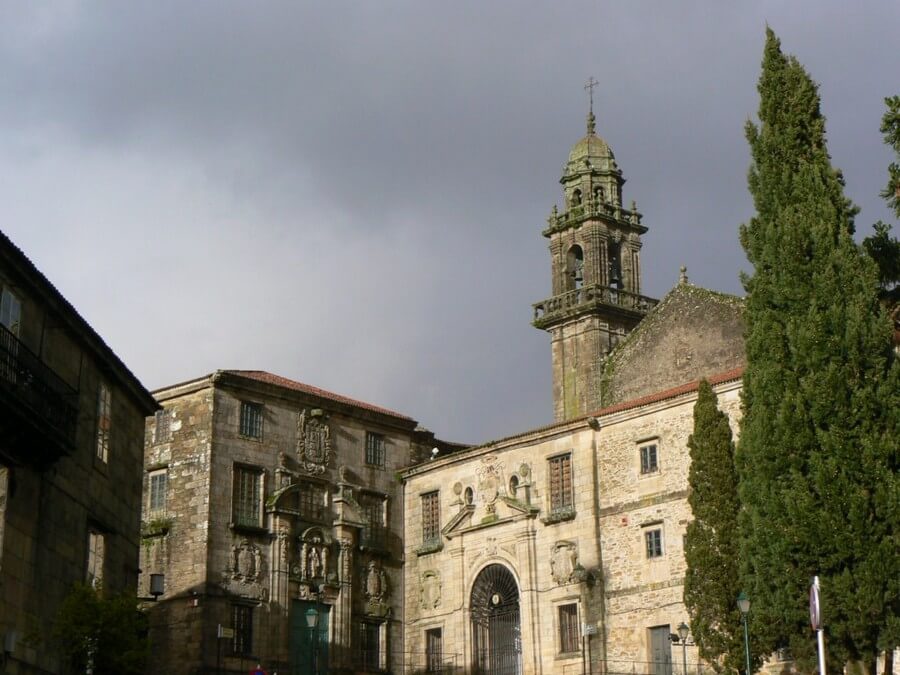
{"x":315,"y":565}
{"x":304,"y":555}
{"x":325,"y":561}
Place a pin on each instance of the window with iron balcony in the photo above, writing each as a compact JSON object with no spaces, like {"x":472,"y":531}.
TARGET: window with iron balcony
{"x":431,"y":522}
{"x":562,"y":502}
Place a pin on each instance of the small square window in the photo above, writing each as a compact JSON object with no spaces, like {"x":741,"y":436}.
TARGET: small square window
{"x":162,"y":432}
{"x":251,"y":419}
{"x":649,"y":459}
{"x":158,"y":480}
{"x":654,"y":542}
{"x":568,"y":628}
{"x":104,"y":421}
{"x":374,"y":449}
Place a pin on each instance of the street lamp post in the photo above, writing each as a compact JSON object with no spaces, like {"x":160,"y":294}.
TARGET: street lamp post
{"x":743,"y":603}
{"x":683,"y":631}
{"x":312,"y":622}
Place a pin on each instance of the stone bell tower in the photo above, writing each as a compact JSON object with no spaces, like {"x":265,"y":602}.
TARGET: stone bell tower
{"x":595,"y":268}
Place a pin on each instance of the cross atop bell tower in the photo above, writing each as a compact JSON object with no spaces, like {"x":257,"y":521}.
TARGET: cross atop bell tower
{"x":595,"y":272}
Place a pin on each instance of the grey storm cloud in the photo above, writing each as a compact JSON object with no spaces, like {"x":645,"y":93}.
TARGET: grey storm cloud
{"x":351,"y":193}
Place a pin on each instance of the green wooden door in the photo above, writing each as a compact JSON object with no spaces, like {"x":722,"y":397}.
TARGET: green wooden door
{"x":309,"y":648}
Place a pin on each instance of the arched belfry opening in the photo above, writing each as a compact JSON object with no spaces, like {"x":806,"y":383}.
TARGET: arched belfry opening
{"x":595,"y":273}
{"x":496,"y":627}
{"x":574,"y":268}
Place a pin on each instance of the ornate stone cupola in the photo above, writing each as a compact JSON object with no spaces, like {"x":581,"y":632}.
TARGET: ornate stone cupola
{"x":595,"y":269}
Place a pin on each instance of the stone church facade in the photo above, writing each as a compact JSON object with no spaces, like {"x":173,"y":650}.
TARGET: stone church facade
{"x":266,"y":500}
{"x":559,"y":550}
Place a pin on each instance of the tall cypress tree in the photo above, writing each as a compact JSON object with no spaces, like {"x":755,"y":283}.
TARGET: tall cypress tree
{"x":711,"y":583}
{"x":818,"y":454}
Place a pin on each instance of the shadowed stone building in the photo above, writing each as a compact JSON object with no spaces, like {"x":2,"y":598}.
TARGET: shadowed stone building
{"x":562,"y":545}
{"x":71,"y":431}
{"x":267,"y":500}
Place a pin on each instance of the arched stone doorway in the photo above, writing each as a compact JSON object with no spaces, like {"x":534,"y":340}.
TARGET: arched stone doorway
{"x":496,"y":628}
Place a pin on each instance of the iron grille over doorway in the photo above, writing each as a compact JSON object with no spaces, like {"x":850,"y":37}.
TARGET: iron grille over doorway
{"x":496,"y":630}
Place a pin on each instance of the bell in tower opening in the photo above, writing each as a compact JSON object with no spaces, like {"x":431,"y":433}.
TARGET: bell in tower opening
{"x":595,"y":273}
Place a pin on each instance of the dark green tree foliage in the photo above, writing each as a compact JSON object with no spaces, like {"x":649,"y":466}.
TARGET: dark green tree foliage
{"x":108,"y":632}
{"x":817,"y":459}
{"x":711,"y":583}
{"x":885,"y":249}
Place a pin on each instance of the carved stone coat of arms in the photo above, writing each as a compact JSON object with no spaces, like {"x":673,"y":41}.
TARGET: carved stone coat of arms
{"x":313,"y":441}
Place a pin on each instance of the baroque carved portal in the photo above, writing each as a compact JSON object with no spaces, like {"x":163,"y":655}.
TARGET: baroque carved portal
{"x":313,"y":441}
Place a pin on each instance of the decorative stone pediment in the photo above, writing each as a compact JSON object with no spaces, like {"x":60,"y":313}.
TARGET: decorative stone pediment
{"x":458,"y":522}
{"x":313,"y":441}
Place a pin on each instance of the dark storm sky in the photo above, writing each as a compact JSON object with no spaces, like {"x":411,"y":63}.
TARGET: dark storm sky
{"x":352,"y":194}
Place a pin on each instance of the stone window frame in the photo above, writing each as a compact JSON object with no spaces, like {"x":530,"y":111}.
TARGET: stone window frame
{"x":313,"y":500}
{"x":375,"y":449}
{"x":242,"y":616}
{"x":104,"y":422}
{"x":560,"y":487}
{"x":238,"y":470}
{"x":430,"y":505}
{"x":645,"y":466}
{"x":568,"y":631}
{"x":434,"y":660}
{"x":154,"y":507}
{"x":162,"y":431}
{"x":366,"y":649}
{"x":373,"y":535}
{"x":11,"y":310}
{"x":95,"y":556}
{"x":251,"y":420}
{"x":654,"y":540}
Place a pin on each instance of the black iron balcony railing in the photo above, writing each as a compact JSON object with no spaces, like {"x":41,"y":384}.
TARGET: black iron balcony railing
{"x":560,"y":306}
{"x":33,"y":390}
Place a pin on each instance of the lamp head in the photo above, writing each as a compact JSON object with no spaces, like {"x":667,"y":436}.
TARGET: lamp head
{"x":157,"y":585}
{"x":312,"y":617}
{"x":743,"y":603}
{"x":683,"y":631}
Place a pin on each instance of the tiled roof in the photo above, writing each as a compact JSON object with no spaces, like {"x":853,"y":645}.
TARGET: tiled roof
{"x":655,"y":397}
{"x":277,"y":380}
